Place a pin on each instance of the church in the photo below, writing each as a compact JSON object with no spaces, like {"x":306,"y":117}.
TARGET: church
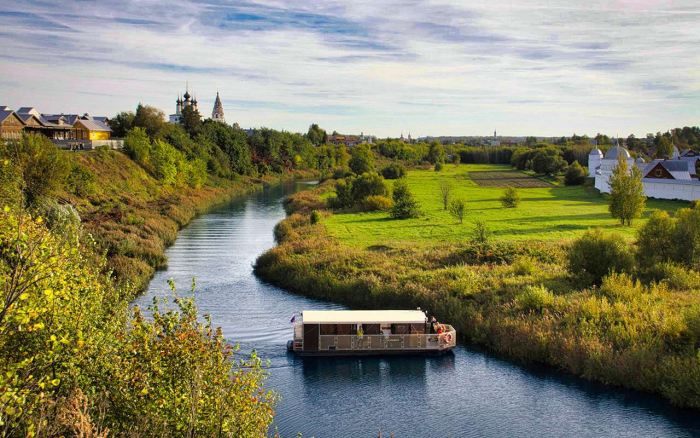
{"x":671,"y":178}
{"x":187,"y":100}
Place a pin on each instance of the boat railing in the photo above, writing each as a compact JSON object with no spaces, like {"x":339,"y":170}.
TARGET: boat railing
{"x":384,"y":342}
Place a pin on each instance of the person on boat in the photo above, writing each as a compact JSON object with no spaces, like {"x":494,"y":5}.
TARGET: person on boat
{"x":433,"y":323}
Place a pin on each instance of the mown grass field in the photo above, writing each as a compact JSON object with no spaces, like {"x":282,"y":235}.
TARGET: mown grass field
{"x":551,"y":213}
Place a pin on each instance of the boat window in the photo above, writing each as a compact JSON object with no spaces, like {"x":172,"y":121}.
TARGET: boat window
{"x":371,"y":329}
{"x":418,"y":329}
{"x":328,"y":329}
{"x":386,"y":329}
{"x":347,"y":329}
{"x":400,"y":329}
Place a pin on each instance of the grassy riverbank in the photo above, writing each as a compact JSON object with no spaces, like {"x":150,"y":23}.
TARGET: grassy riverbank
{"x":134,"y":218}
{"x":518,"y":300}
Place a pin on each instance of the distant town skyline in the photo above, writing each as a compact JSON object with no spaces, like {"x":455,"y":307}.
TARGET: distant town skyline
{"x":448,"y":68}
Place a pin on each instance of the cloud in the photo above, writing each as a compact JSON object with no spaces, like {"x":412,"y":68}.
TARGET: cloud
{"x":437,"y":67}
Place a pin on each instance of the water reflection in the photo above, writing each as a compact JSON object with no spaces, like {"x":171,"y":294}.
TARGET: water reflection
{"x":469,"y":393}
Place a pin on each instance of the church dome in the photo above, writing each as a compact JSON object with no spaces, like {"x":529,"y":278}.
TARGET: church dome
{"x":187,"y":95}
{"x":617,"y":151}
{"x":596,"y":153}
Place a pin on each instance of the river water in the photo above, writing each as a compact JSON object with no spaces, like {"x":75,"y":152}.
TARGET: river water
{"x":469,"y":393}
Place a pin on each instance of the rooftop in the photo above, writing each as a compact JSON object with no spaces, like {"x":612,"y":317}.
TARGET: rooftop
{"x":364,"y":316}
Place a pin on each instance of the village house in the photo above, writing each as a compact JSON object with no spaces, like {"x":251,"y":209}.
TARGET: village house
{"x":347,"y":140}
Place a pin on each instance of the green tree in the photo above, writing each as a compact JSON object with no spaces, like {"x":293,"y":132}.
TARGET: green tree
{"x":191,"y":120}
{"x":394,"y":171}
{"x":165,"y":160}
{"x":445,"y":193}
{"x":316,"y":135}
{"x":510,"y":198}
{"x":575,"y":174}
{"x":38,"y":166}
{"x":664,"y":148}
{"x":137,"y":146}
{"x":627,"y":199}
{"x":481,"y":233}
{"x":361,"y":160}
{"x":655,"y":242}
{"x":436,"y":152}
{"x":458,"y":209}
{"x":152,"y":120}
{"x":405,"y":204}
{"x":122,"y":123}
{"x":686,"y":237}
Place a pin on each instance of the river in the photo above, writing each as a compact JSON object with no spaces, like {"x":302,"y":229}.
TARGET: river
{"x":469,"y":393}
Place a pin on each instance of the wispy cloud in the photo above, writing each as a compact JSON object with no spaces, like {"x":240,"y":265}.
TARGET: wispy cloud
{"x":434,"y":67}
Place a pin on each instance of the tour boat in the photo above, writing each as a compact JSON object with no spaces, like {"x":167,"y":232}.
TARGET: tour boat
{"x":368,"y":332}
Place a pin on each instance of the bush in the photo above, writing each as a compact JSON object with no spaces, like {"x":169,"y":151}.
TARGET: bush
{"x":361,"y":160}
{"x":686,"y":237}
{"x":481,"y":234}
{"x":510,"y":198}
{"x":655,"y":240}
{"x":343,"y":194}
{"x":596,"y":254}
{"x":368,"y":184}
{"x":394,"y":171}
{"x":575,"y":174}
{"x":535,"y":298}
{"x":42,"y":169}
{"x":375,"y":203}
{"x":438,"y":166}
{"x":315,"y":217}
{"x":458,"y":209}
{"x":341,"y":173}
{"x":405,"y":205}
{"x":620,"y":287}
{"x":675,"y":276}
{"x":524,"y":265}
{"x":81,"y":181}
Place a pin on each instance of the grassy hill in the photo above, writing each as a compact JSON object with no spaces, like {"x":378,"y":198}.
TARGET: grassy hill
{"x":548,"y":213}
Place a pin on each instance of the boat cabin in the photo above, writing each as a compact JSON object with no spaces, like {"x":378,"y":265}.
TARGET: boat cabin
{"x":362,"y":332}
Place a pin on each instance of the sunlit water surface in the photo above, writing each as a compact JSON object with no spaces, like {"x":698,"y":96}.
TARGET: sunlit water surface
{"x":470,"y":393}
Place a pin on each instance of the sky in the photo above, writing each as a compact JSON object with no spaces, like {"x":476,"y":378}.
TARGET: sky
{"x":382,"y":67}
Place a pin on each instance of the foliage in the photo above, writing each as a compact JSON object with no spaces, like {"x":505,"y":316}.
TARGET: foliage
{"x":439,"y":166}
{"x":405,"y":204}
{"x":361,"y":160}
{"x":80,"y":180}
{"x":316,"y":135}
{"x":375,"y":203}
{"x":394,"y":171}
{"x":191,"y":120}
{"x":368,"y":184}
{"x":575,"y":174}
{"x":122,"y":123}
{"x":315,"y":217}
{"x":597,"y":253}
{"x":71,"y":360}
{"x":481,"y":233}
{"x":686,"y":237}
{"x":445,"y":193}
{"x":436,"y":153}
{"x":510,"y":198}
{"x":535,"y":298}
{"x":40,"y":169}
{"x":655,"y":240}
{"x":152,"y":121}
{"x":627,"y":200}
{"x":137,"y":146}
{"x":458,"y":209}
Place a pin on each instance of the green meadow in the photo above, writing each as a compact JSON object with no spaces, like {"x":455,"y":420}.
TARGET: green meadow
{"x":554,"y":213}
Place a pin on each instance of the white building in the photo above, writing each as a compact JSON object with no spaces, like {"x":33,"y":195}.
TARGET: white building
{"x":217,"y":114}
{"x":495,"y":141}
{"x":663,"y":179}
{"x":182,"y":103}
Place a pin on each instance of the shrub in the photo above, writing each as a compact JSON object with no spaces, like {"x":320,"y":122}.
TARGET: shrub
{"x":315,"y":217}
{"x":626,"y":201}
{"x":368,"y":184}
{"x":341,"y":172}
{"x":596,"y":254}
{"x":458,"y":209}
{"x":42,"y":169}
{"x":343,"y":194}
{"x":361,"y":160}
{"x":375,"y":203}
{"x":137,"y":145}
{"x":510,"y":198}
{"x":394,"y":171}
{"x":674,"y":275}
{"x":535,"y":298}
{"x":524,"y":265}
{"x":686,"y":237}
{"x":481,"y":234}
{"x":445,"y":193}
{"x":438,"y":166}
{"x":405,"y":205}
{"x":81,"y":181}
{"x":655,"y":240}
{"x":575,"y":174}
{"x":619,"y":286}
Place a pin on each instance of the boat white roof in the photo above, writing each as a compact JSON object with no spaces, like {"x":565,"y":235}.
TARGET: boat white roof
{"x":363,"y":316}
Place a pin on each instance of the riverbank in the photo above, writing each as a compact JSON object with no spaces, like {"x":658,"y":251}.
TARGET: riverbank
{"x":517,"y":300}
{"x":134,"y":218}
